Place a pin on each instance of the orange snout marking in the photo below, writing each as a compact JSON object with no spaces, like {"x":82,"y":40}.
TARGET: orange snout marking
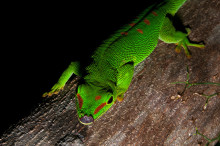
{"x":99,"y":108}
{"x":98,"y":97}
{"x":80,"y":100}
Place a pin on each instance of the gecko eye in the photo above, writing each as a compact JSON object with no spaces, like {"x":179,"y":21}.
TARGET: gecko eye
{"x":110,"y":100}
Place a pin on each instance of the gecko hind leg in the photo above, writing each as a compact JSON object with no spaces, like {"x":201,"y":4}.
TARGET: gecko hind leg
{"x":185,"y":43}
{"x":169,"y":34}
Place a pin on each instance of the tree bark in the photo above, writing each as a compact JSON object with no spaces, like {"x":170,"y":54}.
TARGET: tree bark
{"x":154,"y":111}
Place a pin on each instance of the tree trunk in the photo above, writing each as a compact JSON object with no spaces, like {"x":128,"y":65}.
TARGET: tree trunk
{"x":154,"y":111}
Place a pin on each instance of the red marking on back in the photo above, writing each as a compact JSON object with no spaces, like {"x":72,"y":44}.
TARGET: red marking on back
{"x":99,"y":108}
{"x":98,"y":97}
{"x":147,"y":21}
{"x":139,"y":30}
{"x":154,"y":13}
{"x":80,"y":100}
{"x":132,"y":24}
{"x":124,"y":33}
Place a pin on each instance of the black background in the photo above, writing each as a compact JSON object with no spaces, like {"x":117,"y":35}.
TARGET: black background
{"x":41,"y":39}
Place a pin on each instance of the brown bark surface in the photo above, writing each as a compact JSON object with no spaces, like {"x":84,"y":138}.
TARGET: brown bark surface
{"x":152,"y":113}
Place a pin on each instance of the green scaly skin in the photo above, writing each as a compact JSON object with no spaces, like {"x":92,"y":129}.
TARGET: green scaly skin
{"x":108,"y":77}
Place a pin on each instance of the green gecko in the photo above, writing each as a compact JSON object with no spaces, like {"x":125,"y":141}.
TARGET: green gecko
{"x":108,"y":76}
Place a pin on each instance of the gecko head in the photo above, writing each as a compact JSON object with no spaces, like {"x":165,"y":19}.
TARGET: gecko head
{"x":92,"y":102}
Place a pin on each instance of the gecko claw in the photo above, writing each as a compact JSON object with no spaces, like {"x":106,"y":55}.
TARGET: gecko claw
{"x":178,"y":48}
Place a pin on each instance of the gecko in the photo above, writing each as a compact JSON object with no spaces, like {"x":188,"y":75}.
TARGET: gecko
{"x":107,"y":77}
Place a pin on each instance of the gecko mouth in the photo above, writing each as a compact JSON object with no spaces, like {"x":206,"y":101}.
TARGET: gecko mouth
{"x":86,"y":120}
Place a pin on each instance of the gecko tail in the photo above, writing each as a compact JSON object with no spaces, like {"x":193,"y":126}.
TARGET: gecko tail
{"x":173,"y":6}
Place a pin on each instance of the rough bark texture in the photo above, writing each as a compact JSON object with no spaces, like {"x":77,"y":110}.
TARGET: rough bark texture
{"x":149,"y":115}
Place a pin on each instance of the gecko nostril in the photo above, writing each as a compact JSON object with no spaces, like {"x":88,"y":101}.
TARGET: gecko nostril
{"x":87,"y":120}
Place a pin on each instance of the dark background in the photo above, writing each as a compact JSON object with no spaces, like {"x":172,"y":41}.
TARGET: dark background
{"x":41,"y":39}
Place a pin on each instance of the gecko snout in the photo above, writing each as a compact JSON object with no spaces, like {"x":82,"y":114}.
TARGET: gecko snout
{"x":87,"y":120}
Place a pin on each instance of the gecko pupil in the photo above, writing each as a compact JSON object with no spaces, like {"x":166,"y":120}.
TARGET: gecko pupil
{"x":110,"y":100}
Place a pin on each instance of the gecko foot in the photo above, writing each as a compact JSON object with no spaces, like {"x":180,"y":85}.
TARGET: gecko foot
{"x":120,"y":98}
{"x":54,"y":90}
{"x":185,"y":43}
